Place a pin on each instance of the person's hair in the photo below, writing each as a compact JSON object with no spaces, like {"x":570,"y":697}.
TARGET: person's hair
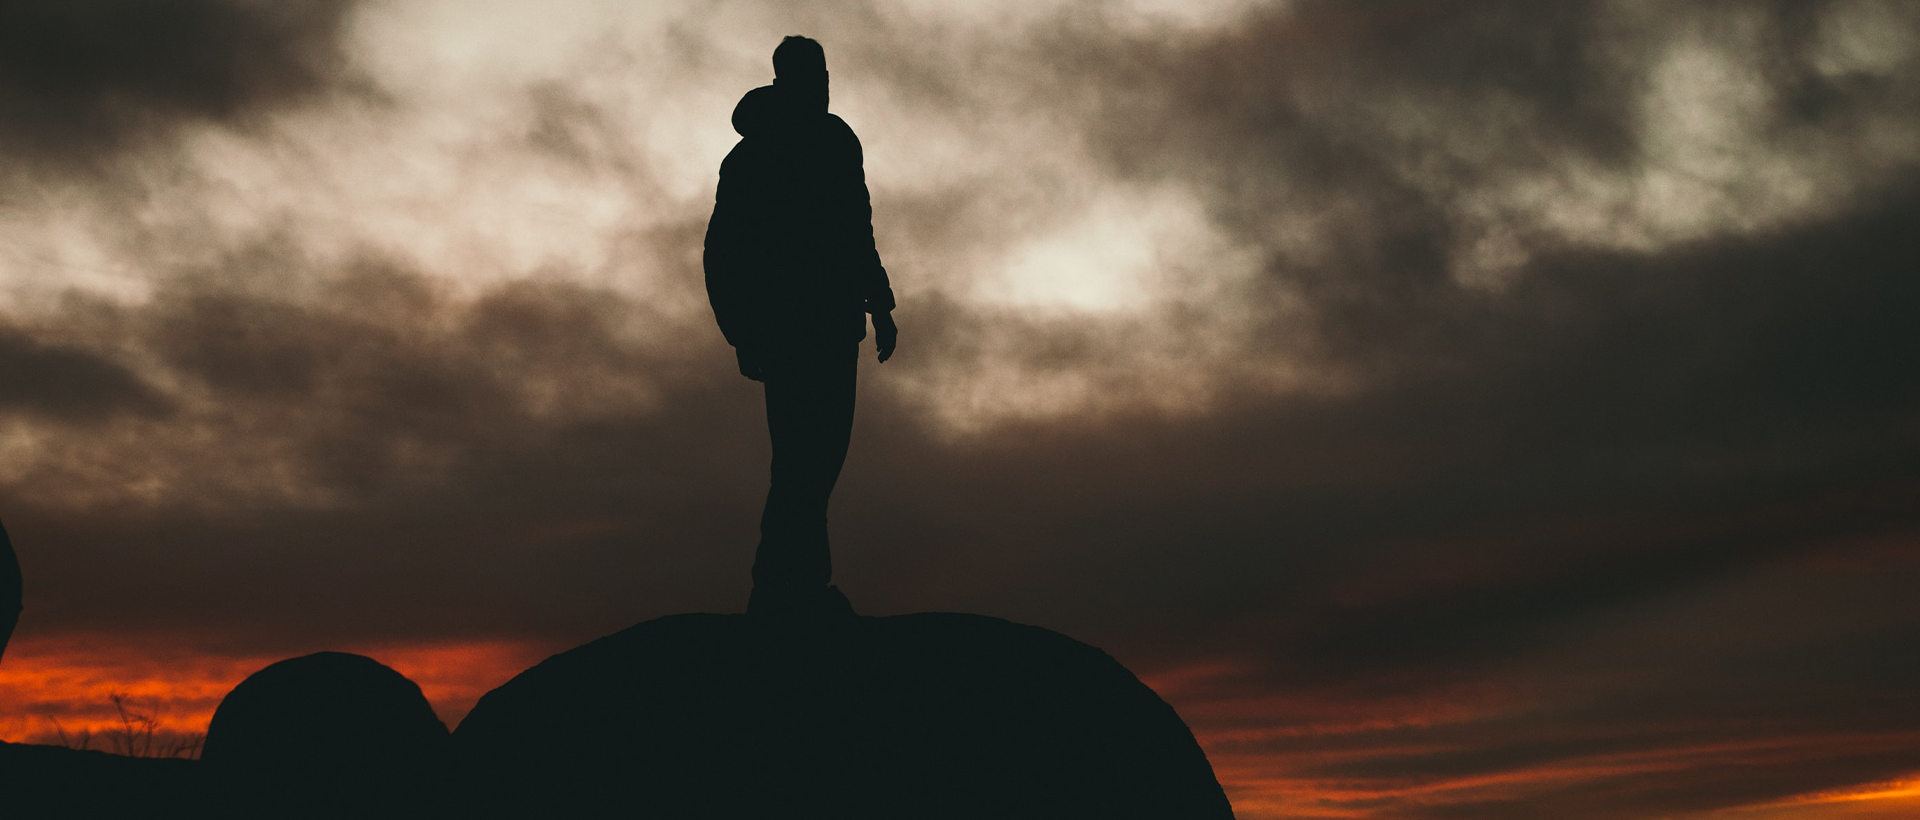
{"x":798,"y":56}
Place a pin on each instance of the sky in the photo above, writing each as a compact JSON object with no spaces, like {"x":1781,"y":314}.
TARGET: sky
{"x":1454,"y":409}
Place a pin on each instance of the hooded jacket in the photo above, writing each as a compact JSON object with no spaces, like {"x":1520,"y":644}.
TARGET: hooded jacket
{"x":790,"y":257}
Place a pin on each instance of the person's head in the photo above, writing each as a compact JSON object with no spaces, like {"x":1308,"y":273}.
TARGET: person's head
{"x":800,"y":70}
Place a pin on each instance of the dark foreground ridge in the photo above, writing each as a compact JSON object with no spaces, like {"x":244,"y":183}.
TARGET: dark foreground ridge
{"x":687,"y":716}
{"x":51,"y":782}
{"x":913,"y":716}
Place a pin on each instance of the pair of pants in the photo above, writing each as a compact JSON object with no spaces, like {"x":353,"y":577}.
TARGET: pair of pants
{"x":810,"y":418}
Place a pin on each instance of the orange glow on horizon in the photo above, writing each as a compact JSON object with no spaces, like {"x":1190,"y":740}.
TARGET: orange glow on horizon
{"x":1888,"y":800}
{"x":64,"y":685}
{"x":66,"y":682}
{"x":1900,"y":790}
{"x":1261,"y":790}
{"x":1879,"y":791}
{"x":1265,"y":748}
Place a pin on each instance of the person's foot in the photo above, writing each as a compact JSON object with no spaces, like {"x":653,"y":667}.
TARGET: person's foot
{"x":799,"y":602}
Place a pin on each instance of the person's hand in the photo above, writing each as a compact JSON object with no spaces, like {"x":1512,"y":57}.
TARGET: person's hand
{"x":885,"y":334}
{"x":750,"y":364}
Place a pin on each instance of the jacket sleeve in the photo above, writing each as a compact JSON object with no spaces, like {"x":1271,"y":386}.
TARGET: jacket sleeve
{"x":875,"y":289}
{"x":723,"y":256}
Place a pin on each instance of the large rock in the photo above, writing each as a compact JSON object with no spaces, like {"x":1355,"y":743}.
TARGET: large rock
{"x":325,"y":735}
{"x":916,"y":716}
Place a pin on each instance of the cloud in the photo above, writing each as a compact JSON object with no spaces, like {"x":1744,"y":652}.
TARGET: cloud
{"x":1393,"y":162}
{"x":1504,"y":405}
{"x":63,"y":383}
{"x":84,"y":79}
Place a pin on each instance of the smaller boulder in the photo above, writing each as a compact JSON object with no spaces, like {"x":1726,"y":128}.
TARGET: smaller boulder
{"x":326,"y":734}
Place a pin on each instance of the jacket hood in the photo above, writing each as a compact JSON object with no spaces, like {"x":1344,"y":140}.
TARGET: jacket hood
{"x":759,"y":112}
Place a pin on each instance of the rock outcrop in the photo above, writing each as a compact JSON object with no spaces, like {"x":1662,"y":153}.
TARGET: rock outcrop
{"x":54,"y":783}
{"x":915,"y":716}
{"x":325,"y":735}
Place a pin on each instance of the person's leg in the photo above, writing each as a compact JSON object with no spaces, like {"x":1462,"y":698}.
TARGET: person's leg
{"x":781,"y":559}
{"x":810,"y":398}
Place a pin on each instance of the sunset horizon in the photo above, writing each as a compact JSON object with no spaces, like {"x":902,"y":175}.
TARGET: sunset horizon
{"x":1491,"y":410}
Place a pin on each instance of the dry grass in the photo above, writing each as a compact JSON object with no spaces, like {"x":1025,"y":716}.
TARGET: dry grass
{"x":137,"y":734}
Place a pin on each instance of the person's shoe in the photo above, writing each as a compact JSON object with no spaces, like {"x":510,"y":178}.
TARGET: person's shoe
{"x":798,"y":602}
{"x":834,"y":604}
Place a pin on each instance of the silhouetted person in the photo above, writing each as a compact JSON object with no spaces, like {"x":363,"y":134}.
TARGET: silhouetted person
{"x":9,"y":590}
{"x":792,"y":274}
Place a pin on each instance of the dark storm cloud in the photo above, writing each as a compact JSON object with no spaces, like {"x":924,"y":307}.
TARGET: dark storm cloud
{"x":90,"y":76}
{"x":1598,"y":379}
{"x":567,"y":127}
{"x":1394,"y":119}
{"x":1684,"y":382}
{"x":1615,"y":438}
{"x":1714,"y":374}
{"x":1674,"y":389}
{"x":373,"y":362}
{"x":67,"y":383}
{"x":1609,"y":431}
{"x":361,"y":425}
{"x":1627,"y":435}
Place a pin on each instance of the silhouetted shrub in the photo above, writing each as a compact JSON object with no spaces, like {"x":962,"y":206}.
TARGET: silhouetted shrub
{"x":138,"y":735}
